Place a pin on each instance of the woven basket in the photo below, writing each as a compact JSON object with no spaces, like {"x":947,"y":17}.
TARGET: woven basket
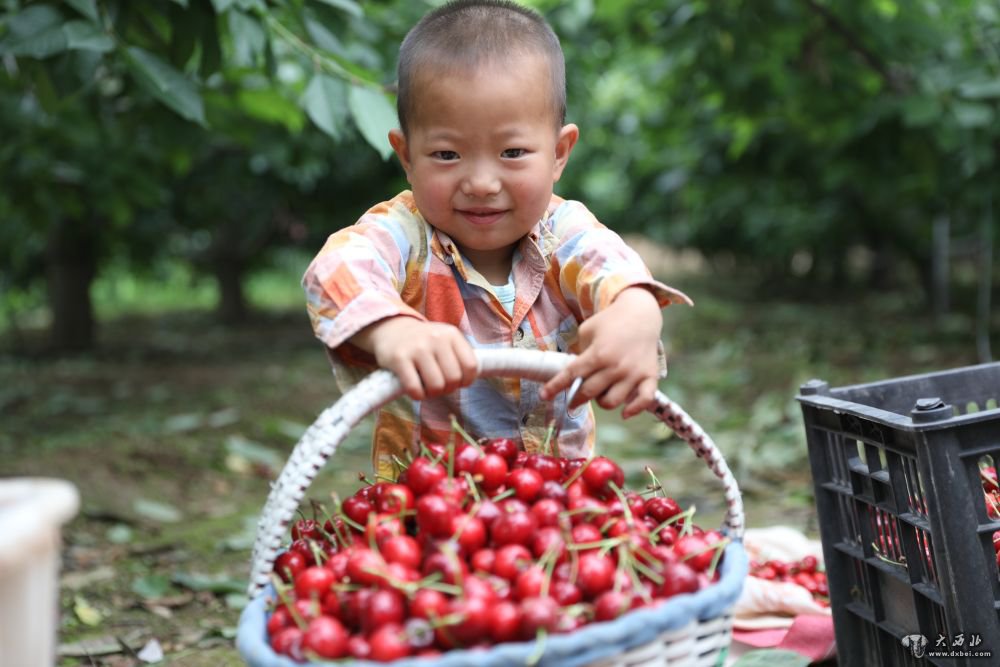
{"x":690,"y":630}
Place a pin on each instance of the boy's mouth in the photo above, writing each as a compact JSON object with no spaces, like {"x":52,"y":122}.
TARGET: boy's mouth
{"x":482,"y":216}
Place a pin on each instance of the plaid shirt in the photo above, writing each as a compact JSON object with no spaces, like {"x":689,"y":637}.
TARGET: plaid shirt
{"x":392,"y":262}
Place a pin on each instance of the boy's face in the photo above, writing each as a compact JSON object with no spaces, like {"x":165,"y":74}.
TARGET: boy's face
{"x":482,"y":154}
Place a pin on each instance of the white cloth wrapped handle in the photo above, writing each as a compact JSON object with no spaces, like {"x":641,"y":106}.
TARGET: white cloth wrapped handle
{"x":332,"y":426}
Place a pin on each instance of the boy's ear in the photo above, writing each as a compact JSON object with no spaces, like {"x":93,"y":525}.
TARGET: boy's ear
{"x":567,"y":138}
{"x":398,"y":142}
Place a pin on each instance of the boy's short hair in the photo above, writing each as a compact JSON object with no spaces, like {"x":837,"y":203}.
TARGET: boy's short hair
{"x":468,"y":33}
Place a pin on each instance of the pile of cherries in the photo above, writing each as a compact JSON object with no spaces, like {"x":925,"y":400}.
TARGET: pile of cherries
{"x":805,"y":572}
{"x":477,"y":544}
{"x":991,"y":491}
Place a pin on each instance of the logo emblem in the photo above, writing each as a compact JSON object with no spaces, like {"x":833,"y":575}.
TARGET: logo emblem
{"x":916,"y":643}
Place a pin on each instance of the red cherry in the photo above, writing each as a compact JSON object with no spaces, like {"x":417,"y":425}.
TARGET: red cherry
{"x":527,"y":483}
{"x":451,"y":566}
{"x":383,"y":607}
{"x":513,"y":528}
{"x":565,"y":592}
{"x":314,"y":582}
{"x":611,"y":604}
{"x":547,"y":466}
{"x":358,"y":647}
{"x":491,"y":470}
{"x":288,"y":564}
{"x":555,"y":491}
{"x":454,"y":490}
{"x":585,"y":533}
{"x":326,"y":637}
{"x":505,"y":624}
{"x":483,"y":560}
{"x":547,"y":511}
{"x":288,"y":641}
{"x":600,"y":473}
{"x":505,"y":447}
{"x":434,"y":515}
{"x":388,"y":643}
{"x":511,"y":560}
{"x":466,"y":457}
{"x":279,"y":618}
{"x":423,"y":474}
{"x":395,"y":499}
{"x":357,"y":508}
{"x":540,"y":613}
{"x":695,"y":550}
{"x":474,"y":625}
{"x":678,"y":578}
{"x":549,"y":539}
{"x":596,"y":573}
{"x":306,"y":529}
{"x":366,"y":567}
{"x":662,"y":508}
{"x":428,"y":604}
{"x":529,"y":583}
{"x":402,"y":549}
{"x":469,"y":532}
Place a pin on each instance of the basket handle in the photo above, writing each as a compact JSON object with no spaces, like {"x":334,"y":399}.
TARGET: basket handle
{"x":332,"y":426}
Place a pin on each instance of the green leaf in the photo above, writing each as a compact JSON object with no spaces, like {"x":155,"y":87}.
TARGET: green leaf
{"x":772,"y":658}
{"x":86,"y":36}
{"x":151,"y":587}
{"x":166,"y":84}
{"x":86,"y":7}
{"x":85,"y":612}
{"x":269,"y":105}
{"x":43,"y":44}
{"x":325,"y":102}
{"x":157,"y":511}
{"x":920,"y":110}
{"x":972,"y":114}
{"x":34,"y":20}
{"x":349,"y":6}
{"x":980,"y":90}
{"x":249,"y":38}
{"x":374,"y":115}
{"x":216,"y":583}
{"x":222,"y":5}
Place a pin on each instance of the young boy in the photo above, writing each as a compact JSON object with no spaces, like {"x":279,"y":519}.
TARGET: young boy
{"x":482,"y":254}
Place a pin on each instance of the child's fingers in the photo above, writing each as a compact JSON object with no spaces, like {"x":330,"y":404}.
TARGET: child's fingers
{"x":431,"y":375}
{"x":409,"y":379}
{"x":641,"y":399}
{"x":467,"y":362}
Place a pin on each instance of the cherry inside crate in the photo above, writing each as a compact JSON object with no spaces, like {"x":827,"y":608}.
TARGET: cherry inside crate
{"x":689,"y":629}
{"x":906,"y":494}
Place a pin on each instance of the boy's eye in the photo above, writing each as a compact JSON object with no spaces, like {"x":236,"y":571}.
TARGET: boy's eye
{"x":513,"y":152}
{"x":445,"y":155}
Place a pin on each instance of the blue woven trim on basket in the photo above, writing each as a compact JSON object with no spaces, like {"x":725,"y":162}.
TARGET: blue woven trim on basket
{"x":585,"y":645}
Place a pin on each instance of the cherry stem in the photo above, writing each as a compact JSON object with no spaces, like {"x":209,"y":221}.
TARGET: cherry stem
{"x":576,"y":474}
{"x":289,"y":605}
{"x":629,"y":518}
{"x":455,"y":426}
{"x":721,"y":547}
{"x":548,"y":438}
{"x":656,"y":482}
{"x":539,"y":651}
{"x":503,"y":495}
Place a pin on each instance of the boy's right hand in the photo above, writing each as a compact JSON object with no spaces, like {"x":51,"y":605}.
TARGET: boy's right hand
{"x":429,"y":358}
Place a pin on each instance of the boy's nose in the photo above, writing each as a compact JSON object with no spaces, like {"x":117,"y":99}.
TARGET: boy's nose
{"x":480,"y":183}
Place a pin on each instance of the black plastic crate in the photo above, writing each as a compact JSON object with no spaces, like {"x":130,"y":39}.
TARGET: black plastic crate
{"x":907,"y":539}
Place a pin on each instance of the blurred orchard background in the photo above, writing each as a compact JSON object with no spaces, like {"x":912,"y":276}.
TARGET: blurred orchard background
{"x":819,"y":176}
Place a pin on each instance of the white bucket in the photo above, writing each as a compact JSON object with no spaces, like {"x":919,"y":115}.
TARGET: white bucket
{"x":32,"y":512}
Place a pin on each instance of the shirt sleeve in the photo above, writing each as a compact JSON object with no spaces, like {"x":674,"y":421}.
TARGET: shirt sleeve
{"x":595,"y":264}
{"x":358,"y":276}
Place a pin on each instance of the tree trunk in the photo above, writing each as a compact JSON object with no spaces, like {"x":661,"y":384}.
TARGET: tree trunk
{"x":71,"y":266}
{"x":232,"y":306}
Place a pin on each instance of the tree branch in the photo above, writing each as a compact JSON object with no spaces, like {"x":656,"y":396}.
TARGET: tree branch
{"x":855,"y":44}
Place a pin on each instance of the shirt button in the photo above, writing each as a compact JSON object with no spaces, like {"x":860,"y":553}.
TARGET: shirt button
{"x":524,"y":420}
{"x":519,"y":334}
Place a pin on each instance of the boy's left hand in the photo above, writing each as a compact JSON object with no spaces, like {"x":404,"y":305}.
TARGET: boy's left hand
{"x":618,"y":355}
